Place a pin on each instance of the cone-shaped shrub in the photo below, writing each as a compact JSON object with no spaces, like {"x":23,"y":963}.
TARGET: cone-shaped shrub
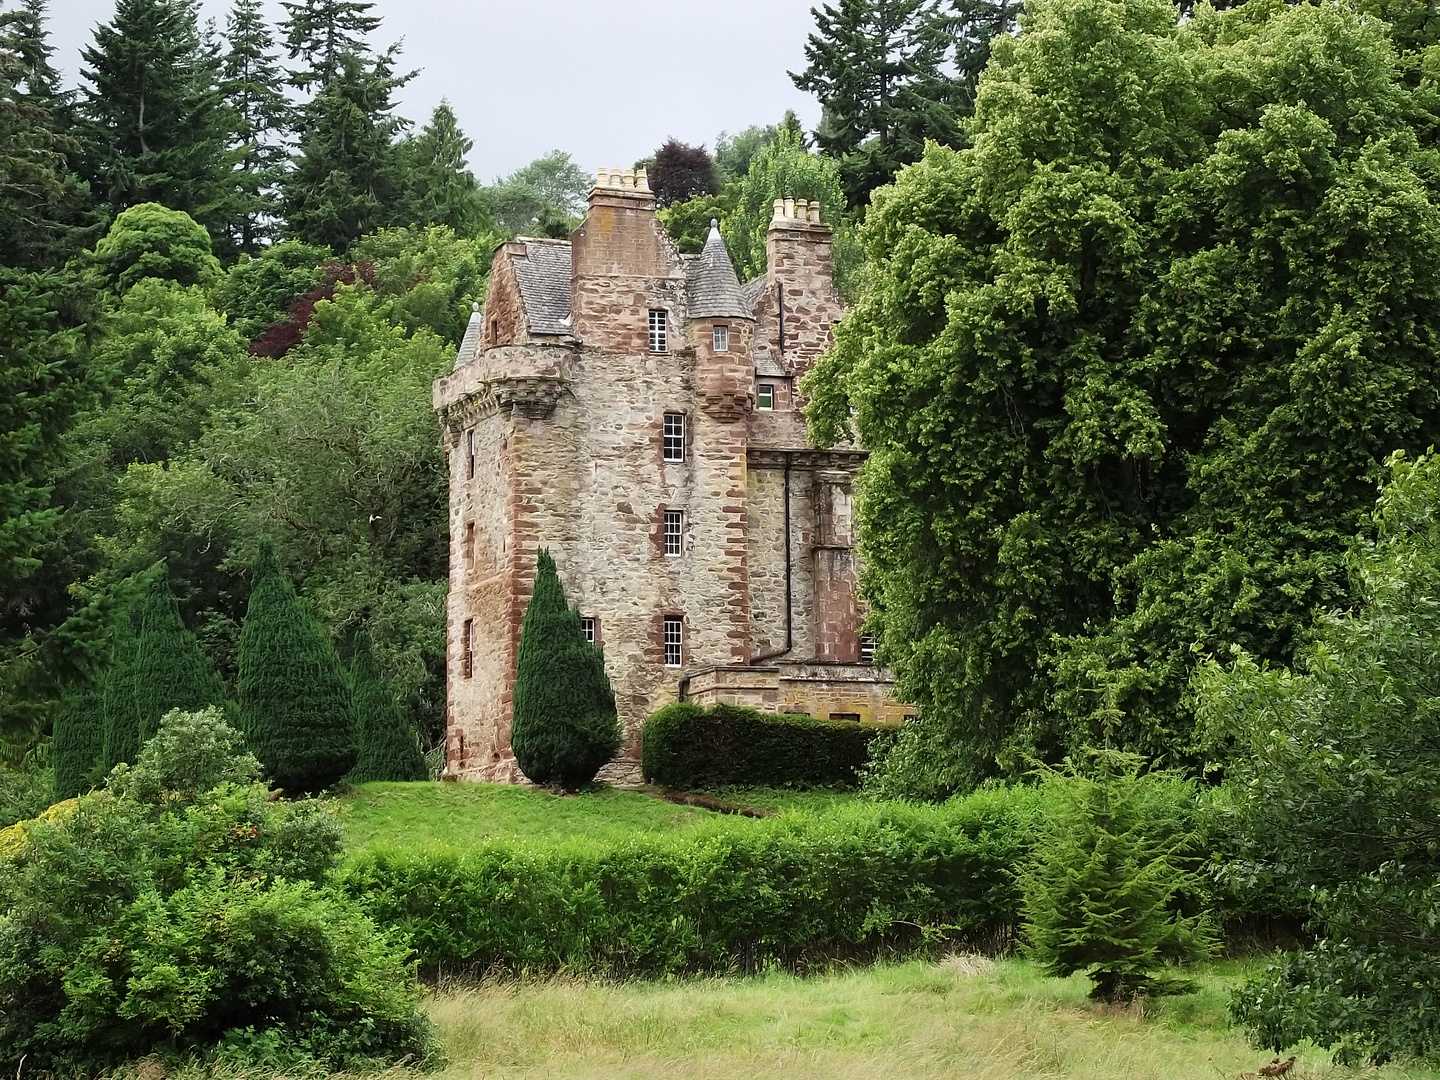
{"x":565,"y":727}
{"x":389,"y":747}
{"x":77,"y":742}
{"x":170,"y":670}
{"x":122,"y":713}
{"x":294,"y":701}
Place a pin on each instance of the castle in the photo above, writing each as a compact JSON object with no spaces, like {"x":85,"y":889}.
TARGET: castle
{"x":634,"y":410}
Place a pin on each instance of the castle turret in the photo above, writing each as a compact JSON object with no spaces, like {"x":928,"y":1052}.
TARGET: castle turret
{"x":720,"y":328}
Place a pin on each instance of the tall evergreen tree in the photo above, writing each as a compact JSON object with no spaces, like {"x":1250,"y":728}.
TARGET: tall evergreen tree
{"x":122,"y":711}
{"x":77,"y":742}
{"x":565,"y":726}
{"x":154,"y":125}
{"x":322,"y":33}
{"x":253,"y":87}
{"x":443,"y":191}
{"x":389,"y":748}
{"x":42,"y":81}
{"x":294,"y":701}
{"x":971,"y":26}
{"x":170,"y":670}
{"x":877,"y":68}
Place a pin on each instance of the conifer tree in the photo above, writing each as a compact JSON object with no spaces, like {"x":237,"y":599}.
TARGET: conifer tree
{"x":170,"y":670}
{"x":565,"y":725}
{"x":443,"y":191}
{"x":252,"y":84}
{"x":77,"y":742}
{"x":322,"y":33}
{"x":154,"y":125}
{"x":293,"y":698}
{"x":122,"y":711}
{"x":389,"y":748}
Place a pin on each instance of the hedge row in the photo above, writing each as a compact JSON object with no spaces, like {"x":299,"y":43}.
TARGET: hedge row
{"x":794,"y":886}
{"x":686,"y":746}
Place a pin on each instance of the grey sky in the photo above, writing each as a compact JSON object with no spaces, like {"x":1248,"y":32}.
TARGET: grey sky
{"x":604,"y":80}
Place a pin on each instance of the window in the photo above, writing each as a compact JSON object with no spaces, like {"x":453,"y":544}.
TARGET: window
{"x":852,"y":717}
{"x":867,"y":650}
{"x":720,"y":338}
{"x":470,"y":453}
{"x":674,"y":640}
{"x":657,"y":330}
{"x":674,"y":433}
{"x":673,"y":522}
{"x":469,"y":545}
{"x":494,"y":331}
{"x":587,"y":627}
{"x":765,"y":396}
{"x":467,"y":653}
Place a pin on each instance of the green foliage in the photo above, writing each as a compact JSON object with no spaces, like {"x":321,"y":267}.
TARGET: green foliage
{"x":544,"y":198}
{"x":153,"y":241}
{"x":443,"y":191}
{"x":322,"y":33}
{"x":685,"y":746}
{"x":389,"y":749}
{"x":258,"y":291}
{"x":118,"y":692}
{"x":1122,"y":390}
{"x":734,"y":153}
{"x":77,"y":744}
{"x":294,"y":702}
{"x":26,"y":789}
{"x":170,"y":670}
{"x":1335,"y":769}
{"x":154,"y":918}
{"x":788,"y":888}
{"x":688,"y":222}
{"x":1112,"y":865}
{"x":565,"y":726}
{"x":427,"y":278}
{"x":260,"y":118}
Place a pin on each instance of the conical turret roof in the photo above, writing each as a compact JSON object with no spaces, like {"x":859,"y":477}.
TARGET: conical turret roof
{"x":714,"y":290}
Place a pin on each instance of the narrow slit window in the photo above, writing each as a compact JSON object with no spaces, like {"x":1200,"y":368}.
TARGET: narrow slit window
{"x":467,"y":649}
{"x":720,"y":338}
{"x":765,"y":396}
{"x":674,"y":640}
{"x":470,"y":454}
{"x":867,"y":650}
{"x":658,"y":330}
{"x":587,"y":627}
{"x":494,"y":331}
{"x":469,"y":545}
{"x":674,"y":436}
{"x":674,"y":523}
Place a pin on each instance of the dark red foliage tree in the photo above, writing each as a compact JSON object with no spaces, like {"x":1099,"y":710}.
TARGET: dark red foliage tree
{"x":682,"y":172}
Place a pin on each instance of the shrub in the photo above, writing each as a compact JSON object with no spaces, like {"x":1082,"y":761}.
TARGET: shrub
{"x":27,"y":790}
{"x":1103,"y":885}
{"x":788,"y":888}
{"x":170,"y":670}
{"x":147,"y":918}
{"x":77,"y":743}
{"x":152,"y":241}
{"x":686,"y":746}
{"x":122,"y":709}
{"x":389,"y":747}
{"x":293,"y":697}
{"x":565,"y":726}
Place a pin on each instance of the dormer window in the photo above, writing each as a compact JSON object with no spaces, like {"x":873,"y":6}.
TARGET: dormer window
{"x":658,"y":330}
{"x":765,"y":397}
{"x":720,"y":338}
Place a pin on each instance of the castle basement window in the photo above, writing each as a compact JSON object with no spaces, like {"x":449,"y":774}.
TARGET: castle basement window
{"x":674,"y":522}
{"x":658,"y":330}
{"x":673,"y":433}
{"x":765,"y":396}
{"x":674,"y":640}
{"x":590,"y":628}
{"x":467,"y":652}
{"x":720,"y":338}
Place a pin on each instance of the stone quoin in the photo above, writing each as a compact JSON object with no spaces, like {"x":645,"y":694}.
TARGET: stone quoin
{"x":636,"y":411}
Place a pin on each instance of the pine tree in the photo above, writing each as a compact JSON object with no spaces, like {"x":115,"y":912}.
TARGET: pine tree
{"x":170,"y":670}
{"x":565,"y":725}
{"x":443,"y":191}
{"x":877,"y":68}
{"x":77,"y":742}
{"x":252,"y":85}
{"x":42,"y":81}
{"x":154,"y":125}
{"x":293,"y":698}
{"x":971,"y":26}
{"x":122,"y":711}
{"x":389,"y":748}
{"x":322,"y":33}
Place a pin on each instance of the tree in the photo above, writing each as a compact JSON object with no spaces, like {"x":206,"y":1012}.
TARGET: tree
{"x":681,"y":172}
{"x":294,"y":703}
{"x":1334,"y":768}
{"x":565,"y":725}
{"x":154,"y":125}
{"x":877,"y":68}
{"x":443,"y":191}
{"x":170,"y":670}
{"x":77,"y":742}
{"x":118,"y":693}
{"x":544,"y":198}
{"x":389,"y":749}
{"x":1122,"y":397}
{"x":971,"y":26}
{"x":252,"y":86}
{"x":734,"y":153}
{"x":152,"y":241}
{"x":323,"y":34}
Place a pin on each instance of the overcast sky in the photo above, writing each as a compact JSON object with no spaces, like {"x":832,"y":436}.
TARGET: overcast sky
{"x":605,"y":80}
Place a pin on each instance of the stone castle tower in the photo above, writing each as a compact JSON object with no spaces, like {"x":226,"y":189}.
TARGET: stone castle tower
{"x":635,"y":411}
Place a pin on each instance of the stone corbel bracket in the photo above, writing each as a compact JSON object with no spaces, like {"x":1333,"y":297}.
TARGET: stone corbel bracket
{"x":527,"y":381}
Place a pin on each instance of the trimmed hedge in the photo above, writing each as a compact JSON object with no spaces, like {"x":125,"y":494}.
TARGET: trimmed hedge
{"x":686,"y":746}
{"x":795,"y":886}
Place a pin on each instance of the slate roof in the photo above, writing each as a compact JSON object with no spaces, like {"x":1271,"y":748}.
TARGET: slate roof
{"x":751,"y":292}
{"x":471,"y":338}
{"x":544,"y":277}
{"x":713,"y":289}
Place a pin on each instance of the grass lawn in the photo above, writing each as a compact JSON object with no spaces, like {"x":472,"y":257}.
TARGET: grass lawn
{"x":959,"y":1019}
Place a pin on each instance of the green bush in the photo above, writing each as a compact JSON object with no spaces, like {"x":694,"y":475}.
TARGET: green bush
{"x":160,"y":915}
{"x":389,"y":746}
{"x":686,"y":746}
{"x":783,"y":889}
{"x":27,"y":789}
{"x":170,"y":670}
{"x":77,"y":743}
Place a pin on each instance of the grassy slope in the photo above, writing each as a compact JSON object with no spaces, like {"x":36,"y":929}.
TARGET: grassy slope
{"x":961,"y":1019}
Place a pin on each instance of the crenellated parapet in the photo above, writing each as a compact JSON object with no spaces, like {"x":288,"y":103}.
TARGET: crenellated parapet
{"x":527,"y":380}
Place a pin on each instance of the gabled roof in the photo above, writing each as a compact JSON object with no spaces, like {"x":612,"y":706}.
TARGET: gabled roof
{"x":713,"y":289}
{"x":751,"y":292}
{"x":543,"y":274}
